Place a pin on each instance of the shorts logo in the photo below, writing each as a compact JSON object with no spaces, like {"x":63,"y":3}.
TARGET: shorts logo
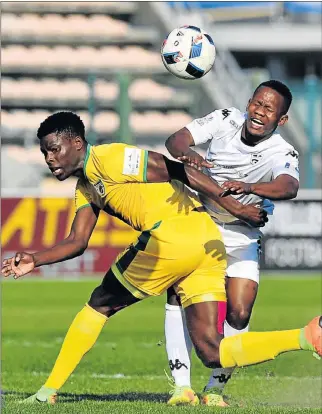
{"x":99,"y":187}
{"x":132,"y":158}
{"x":255,"y":157}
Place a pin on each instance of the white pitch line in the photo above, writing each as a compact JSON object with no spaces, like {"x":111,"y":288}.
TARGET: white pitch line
{"x":59,"y":340}
{"x":238,"y":377}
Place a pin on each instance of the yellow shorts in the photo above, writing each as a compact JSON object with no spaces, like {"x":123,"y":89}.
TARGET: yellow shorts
{"x":186,"y":252}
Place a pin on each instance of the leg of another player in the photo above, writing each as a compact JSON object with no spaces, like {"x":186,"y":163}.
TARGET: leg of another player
{"x":248,"y":348}
{"x":178,"y":347}
{"x":241,"y":295}
{"x":105,"y":301}
{"x":178,"y":342}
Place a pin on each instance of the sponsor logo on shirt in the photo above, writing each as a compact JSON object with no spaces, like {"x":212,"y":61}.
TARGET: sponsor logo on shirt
{"x":132,"y":158}
{"x":234,"y":124}
{"x":205,"y":119}
{"x":227,"y":167}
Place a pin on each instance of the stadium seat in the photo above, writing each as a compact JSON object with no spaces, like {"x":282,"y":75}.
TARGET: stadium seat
{"x":111,"y":7}
{"x":83,"y":56}
{"x":57,"y":25}
{"x":52,"y":89}
{"x":147,"y":89}
{"x":106,"y":122}
{"x":154,"y":122}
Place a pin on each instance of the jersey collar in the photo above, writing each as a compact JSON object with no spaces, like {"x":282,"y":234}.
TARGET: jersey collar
{"x":88,"y":150}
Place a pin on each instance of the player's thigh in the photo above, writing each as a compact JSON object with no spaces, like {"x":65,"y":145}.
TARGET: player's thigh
{"x":207,"y":282}
{"x":243,"y":255}
{"x":156,"y":261}
{"x":243,"y":262}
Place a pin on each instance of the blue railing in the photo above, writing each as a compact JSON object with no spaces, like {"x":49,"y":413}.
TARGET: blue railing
{"x":291,"y":7}
{"x":220,"y":4}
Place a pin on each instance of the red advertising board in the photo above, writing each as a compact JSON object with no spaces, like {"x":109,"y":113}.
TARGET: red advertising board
{"x":31,"y":224}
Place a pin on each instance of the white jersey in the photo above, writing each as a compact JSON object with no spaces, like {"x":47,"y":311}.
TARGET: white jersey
{"x":235,"y":161}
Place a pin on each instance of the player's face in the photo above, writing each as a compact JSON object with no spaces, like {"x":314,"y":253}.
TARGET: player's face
{"x":62,"y":154}
{"x":264,"y":112}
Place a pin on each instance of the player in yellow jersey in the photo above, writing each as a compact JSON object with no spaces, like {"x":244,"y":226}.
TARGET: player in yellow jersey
{"x":147,"y":191}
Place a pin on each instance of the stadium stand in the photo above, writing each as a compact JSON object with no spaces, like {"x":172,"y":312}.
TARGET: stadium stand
{"x":102,"y":60}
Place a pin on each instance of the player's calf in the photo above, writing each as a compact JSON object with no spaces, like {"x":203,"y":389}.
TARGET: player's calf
{"x":202,"y":325}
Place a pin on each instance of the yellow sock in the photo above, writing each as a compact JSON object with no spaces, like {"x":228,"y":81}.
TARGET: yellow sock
{"x":254,"y":347}
{"x":81,"y":336}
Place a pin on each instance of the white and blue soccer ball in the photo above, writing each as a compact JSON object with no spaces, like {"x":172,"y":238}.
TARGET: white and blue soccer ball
{"x":188,"y":52}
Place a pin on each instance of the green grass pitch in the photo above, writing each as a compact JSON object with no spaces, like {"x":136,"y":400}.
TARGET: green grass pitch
{"x":124,"y":373}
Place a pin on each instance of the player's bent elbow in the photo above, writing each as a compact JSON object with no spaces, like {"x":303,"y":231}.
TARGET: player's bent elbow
{"x":292,"y":193}
{"x":80,"y":247}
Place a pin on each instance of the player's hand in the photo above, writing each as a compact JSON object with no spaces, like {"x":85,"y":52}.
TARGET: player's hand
{"x":235,"y":187}
{"x":195,"y":160}
{"x":19,"y":265}
{"x":253,"y":214}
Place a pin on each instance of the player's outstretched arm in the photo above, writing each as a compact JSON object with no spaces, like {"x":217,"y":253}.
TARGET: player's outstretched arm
{"x":283,"y":187}
{"x":161,"y":169}
{"x":178,"y":145}
{"x":74,"y":245}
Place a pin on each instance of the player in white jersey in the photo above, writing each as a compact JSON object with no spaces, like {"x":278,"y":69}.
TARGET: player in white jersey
{"x":250,"y":160}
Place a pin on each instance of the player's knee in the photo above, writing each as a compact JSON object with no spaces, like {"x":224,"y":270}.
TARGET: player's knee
{"x":100,"y":301}
{"x":207,"y":349}
{"x":238,"y":317}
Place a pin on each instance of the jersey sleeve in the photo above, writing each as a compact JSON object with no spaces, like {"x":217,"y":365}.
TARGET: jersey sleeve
{"x":204,"y":129}
{"x":287,"y":163}
{"x":83,"y":197}
{"x":126,"y":164}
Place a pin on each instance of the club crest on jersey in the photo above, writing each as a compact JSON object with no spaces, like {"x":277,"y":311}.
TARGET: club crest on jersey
{"x":255,"y":157}
{"x":99,"y":187}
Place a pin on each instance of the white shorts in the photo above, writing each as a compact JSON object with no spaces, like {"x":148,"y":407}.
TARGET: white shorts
{"x":243,"y":250}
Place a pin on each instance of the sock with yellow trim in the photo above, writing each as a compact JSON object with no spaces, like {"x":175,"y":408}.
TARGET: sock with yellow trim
{"x":80,"y":338}
{"x":254,"y":347}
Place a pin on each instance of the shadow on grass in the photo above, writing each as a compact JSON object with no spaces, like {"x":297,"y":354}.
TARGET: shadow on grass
{"x":123,"y":396}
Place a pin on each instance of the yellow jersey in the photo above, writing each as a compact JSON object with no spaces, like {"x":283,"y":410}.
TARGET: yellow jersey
{"x":115,"y":181}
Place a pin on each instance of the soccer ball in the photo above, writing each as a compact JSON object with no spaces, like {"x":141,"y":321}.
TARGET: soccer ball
{"x":188,"y":52}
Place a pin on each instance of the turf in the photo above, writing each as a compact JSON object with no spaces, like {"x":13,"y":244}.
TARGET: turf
{"x":124,"y":373}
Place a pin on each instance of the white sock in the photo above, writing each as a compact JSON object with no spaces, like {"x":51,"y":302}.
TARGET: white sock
{"x":220,"y":376}
{"x":178,"y":345}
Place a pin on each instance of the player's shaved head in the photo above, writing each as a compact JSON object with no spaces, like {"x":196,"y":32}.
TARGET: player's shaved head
{"x":66,"y":123}
{"x":282,"y":89}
